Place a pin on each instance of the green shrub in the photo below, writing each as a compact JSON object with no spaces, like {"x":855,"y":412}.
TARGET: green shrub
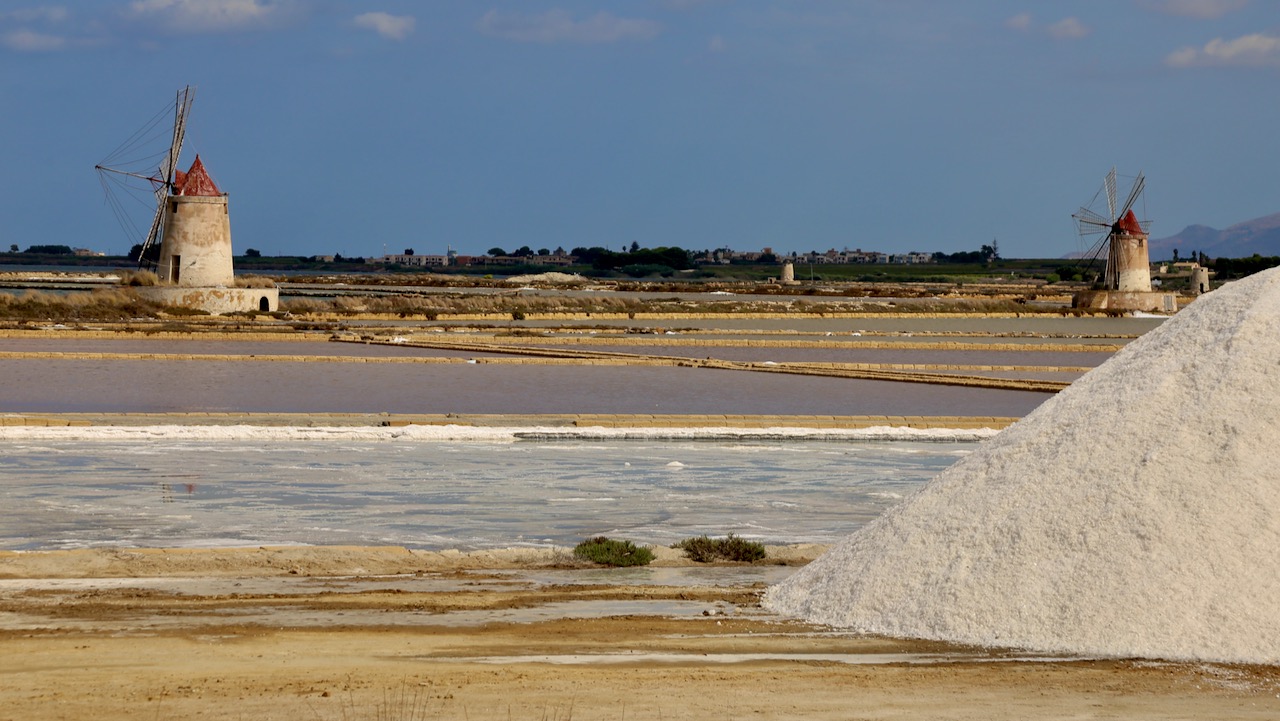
{"x":611,"y":552}
{"x":730,"y":548}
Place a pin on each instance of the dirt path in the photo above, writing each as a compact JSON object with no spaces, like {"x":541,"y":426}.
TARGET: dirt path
{"x":232,"y":635}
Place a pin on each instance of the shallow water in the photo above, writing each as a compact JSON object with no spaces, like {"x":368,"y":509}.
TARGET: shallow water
{"x":91,"y":386}
{"x":436,"y":495}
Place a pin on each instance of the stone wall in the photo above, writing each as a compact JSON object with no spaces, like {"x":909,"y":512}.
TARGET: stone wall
{"x":1119,"y":300}
{"x":217,"y":301}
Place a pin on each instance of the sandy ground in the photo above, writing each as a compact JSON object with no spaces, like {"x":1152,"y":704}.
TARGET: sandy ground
{"x":346,"y":634}
{"x":385,"y":633}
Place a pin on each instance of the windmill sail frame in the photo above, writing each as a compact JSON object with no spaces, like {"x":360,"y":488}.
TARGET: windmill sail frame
{"x":162,"y":182}
{"x":1123,"y":236}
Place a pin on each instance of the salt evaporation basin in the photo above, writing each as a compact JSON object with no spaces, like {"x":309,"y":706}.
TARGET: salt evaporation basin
{"x":1135,"y":514}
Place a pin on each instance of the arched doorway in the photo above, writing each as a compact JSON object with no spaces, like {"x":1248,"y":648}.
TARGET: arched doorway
{"x":264,"y":305}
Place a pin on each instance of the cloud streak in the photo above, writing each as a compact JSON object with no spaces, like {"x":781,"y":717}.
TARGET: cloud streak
{"x":392,"y":27}
{"x":1021,"y":21}
{"x":28,"y":41}
{"x":50,"y":14}
{"x":210,"y":16}
{"x":1199,"y":9}
{"x":1256,"y":50}
{"x":1069,"y":29}
{"x":558,"y":26}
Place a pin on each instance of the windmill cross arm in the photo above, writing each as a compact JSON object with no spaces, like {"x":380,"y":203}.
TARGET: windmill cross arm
{"x":1138,"y":185}
{"x":1085,"y":213}
{"x":131,"y":175}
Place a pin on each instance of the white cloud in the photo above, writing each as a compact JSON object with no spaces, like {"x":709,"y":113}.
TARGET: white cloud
{"x":556,"y":26}
{"x":1021,"y":21}
{"x":395,"y":27}
{"x":689,"y":4}
{"x":1200,"y":9}
{"x":27,"y":41}
{"x":210,"y":16}
{"x":1069,"y":28}
{"x":1256,"y":50}
{"x":1065,"y":29}
{"x":48,"y":13}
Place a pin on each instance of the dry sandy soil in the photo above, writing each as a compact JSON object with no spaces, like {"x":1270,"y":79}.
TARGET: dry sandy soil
{"x":348,"y":633}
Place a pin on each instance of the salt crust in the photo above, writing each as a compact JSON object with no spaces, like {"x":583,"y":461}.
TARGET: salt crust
{"x":1135,"y":514}
{"x":427,"y":433}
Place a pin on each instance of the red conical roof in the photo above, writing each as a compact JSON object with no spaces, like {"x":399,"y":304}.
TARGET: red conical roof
{"x":195,"y":181}
{"x":1129,"y":223}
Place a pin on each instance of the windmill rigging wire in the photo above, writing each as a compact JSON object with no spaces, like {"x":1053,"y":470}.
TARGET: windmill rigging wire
{"x":114,"y":202}
{"x":145,"y":137}
{"x":143,"y":154}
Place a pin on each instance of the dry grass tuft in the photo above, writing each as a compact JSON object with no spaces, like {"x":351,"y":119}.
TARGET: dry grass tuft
{"x":136,"y":278}
{"x":98,"y":305}
{"x":254,"y":281}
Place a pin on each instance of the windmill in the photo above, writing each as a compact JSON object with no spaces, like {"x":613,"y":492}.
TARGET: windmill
{"x":132,"y":153}
{"x":188,"y":244}
{"x":1120,"y":233}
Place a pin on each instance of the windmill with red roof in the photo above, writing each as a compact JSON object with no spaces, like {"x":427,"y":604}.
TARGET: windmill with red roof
{"x":1121,"y":234}
{"x":189,"y":242}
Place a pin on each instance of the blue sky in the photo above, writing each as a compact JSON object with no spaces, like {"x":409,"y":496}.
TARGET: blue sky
{"x":889,"y":125}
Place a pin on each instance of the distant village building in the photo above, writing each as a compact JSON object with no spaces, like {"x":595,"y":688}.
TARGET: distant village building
{"x":555,"y":259}
{"x":412,"y":260}
{"x":863,"y":257}
{"x":719,"y":256}
{"x":912,"y":258}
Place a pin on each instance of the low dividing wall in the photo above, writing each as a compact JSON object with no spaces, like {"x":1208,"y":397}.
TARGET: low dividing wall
{"x":218,"y":301}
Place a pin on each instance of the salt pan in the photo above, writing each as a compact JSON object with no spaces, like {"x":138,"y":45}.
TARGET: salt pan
{"x":1135,"y":514}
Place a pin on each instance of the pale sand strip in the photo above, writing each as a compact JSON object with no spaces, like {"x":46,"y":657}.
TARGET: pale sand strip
{"x":731,"y":315}
{"x":109,"y":331}
{"x":322,"y":560}
{"x":863,"y":373}
{"x":1032,"y":346}
{"x":502,"y":420}
{"x":543,"y":360}
{"x":899,"y":373}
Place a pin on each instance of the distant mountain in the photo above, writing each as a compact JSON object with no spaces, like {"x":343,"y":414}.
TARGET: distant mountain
{"x":1260,"y":235}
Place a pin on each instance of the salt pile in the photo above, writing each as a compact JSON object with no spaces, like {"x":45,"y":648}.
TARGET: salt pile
{"x":1136,"y":514}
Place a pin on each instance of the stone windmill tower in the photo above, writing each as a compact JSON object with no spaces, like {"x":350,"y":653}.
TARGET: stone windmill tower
{"x":192,"y":228}
{"x":1126,"y":281}
{"x":196,"y":247}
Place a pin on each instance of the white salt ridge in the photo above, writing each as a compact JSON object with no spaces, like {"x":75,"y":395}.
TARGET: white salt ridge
{"x":1135,"y":514}
{"x":477,"y":433}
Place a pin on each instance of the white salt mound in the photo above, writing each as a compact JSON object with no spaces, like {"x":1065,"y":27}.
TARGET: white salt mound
{"x":1135,"y":514}
{"x":551,"y":277}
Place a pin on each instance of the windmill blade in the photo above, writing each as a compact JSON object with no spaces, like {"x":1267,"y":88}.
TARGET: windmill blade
{"x":1110,"y":183}
{"x":182,"y":107}
{"x":1092,"y":229}
{"x":1084,"y":215}
{"x":1090,"y":259}
{"x":153,"y":237}
{"x":1138,"y":184}
{"x":1095,"y":251}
